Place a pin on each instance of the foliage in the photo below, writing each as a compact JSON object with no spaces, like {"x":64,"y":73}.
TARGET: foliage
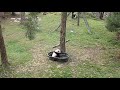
{"x":31,"y":25}
{"x":113,"y":22}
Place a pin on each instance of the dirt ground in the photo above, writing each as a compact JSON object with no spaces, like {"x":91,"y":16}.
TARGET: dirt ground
{"x":42,"y":64}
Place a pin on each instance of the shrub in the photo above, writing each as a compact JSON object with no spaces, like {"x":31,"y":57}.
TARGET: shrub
{"x":31,"y":25}
{"x":113,"y":22}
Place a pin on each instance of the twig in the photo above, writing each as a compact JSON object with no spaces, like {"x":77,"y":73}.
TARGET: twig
{"x":60,"y":23}
{"x":59,"y":44}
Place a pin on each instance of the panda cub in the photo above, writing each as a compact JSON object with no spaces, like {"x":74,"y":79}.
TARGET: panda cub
{"x":56,"y":53}
{"x":74,"y":15}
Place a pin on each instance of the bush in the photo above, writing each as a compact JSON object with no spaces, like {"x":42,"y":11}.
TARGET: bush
{"x":113,"y":22}
{"x":31,"y":25}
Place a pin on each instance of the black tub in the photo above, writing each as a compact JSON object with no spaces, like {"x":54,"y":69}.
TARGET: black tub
{"x":62,"y":58}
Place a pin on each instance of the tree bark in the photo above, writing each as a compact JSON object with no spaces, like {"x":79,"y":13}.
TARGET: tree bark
{"x":60,"y":23}
{"x":101,"y":14}
{"x":86,"y":22}
{"x":44,"y":13}
{"x":72,"y":15}
{"x":22,"y":17}
{"x":13,"y":14}
{"x":2,"y":14}
{"x":78,"y":18}
{"x":59,"y":44}
{"x":4,"y":59}
{"x":63,"y":32}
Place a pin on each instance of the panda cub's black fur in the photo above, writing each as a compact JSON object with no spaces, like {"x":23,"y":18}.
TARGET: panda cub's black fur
{"x":74,"y":15}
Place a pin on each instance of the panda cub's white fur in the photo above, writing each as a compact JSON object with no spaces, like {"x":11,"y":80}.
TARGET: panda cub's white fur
{"x":55,"y":52}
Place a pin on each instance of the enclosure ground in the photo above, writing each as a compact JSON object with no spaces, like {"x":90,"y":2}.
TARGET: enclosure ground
{"x":95,"y":55}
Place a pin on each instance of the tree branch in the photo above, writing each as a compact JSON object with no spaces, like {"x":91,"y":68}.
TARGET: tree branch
{"x":60,"y":23}
{"x":59,"y":44}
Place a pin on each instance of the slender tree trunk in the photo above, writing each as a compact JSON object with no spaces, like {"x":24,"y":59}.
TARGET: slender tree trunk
{"x":72,"y":15}
{"x":22,"y":17}
{"x":63,"y":32}
{"x":2,"y":14}
{"x":101,"y":14}
{"x":13,"y":13}
{"x":44,"y":13}
{"x":60,"y":23}
{"x":4,"y":59}
{"x":78,"y":18}
{"x":86,"y":22}
{"x":110,"y":13}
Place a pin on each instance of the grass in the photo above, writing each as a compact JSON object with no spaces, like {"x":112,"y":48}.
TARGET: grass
{"x":91,"y":55}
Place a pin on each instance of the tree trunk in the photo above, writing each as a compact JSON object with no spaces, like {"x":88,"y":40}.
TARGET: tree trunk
{"x":22,"y":17}
{"x":13,"y":14}
{"x":86,"y":23}
{"x":63,"y":32}
{"x":44,"y":13}
{"x":78,"y":18}
{"x":2,"y":14}
{"x":72,"y":15}
{"x":60,"y":23}
{"x":4,"y":59}
{"x":101,"y":14}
